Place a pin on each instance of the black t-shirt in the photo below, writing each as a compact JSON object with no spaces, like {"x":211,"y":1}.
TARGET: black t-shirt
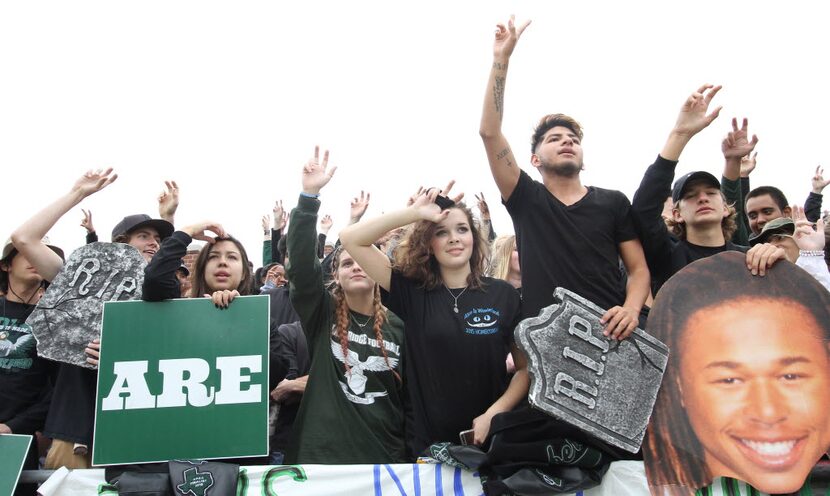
{"x":683,"y":253}
{"x":455,"y":362}
{"x":25,"y":379}
{"x":72,"y":413}
{"x":572,"y":246}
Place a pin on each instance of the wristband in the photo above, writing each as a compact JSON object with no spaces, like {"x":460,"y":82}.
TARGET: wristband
{"x":266,"y":232}
{"x":308,"y":195}
{"x":811,"y":253}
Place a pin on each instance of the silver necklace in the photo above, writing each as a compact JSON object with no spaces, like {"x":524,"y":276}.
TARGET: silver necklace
{"x":455,"y":298}
{"x":354,"y":319}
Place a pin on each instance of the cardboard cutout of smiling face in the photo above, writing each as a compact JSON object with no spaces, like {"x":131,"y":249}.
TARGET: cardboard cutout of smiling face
{"x":747,"y":385}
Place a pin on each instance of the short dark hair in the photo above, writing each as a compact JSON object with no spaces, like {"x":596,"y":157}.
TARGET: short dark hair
{"x":776,"y":194}
{"x":551,"y":121}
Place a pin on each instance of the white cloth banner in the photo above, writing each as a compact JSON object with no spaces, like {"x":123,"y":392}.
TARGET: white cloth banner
{"x":624,"y":478}
{"x":291,"y":480}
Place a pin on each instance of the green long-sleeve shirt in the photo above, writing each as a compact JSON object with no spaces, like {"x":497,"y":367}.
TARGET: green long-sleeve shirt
{"x":354,"y":417}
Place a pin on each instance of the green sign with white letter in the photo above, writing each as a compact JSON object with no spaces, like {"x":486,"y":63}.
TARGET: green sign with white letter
{"x":181,"y":379}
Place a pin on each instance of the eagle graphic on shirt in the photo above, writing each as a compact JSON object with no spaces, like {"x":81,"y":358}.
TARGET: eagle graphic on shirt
{"x":355,"y":377}
{"x":16,"y":345}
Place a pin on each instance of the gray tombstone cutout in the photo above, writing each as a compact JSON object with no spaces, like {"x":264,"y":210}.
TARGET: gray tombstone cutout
{"x":69,"y":314}
{"x":604,"y":387}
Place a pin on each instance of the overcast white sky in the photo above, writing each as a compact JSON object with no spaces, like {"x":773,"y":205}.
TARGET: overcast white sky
{"x":229,"y":98}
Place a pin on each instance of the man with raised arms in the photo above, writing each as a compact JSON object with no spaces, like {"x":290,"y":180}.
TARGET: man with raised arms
{"x":568,"y":234}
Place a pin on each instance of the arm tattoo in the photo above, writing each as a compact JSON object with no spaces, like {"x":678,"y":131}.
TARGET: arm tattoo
{"x":499,"y":66}
{"x":498,"y":96}
{"x":505,"y":153}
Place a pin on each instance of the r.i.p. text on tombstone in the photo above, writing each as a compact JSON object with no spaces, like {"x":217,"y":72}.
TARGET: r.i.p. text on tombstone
{"x":602,"y":386}
{"x":69,"y":314}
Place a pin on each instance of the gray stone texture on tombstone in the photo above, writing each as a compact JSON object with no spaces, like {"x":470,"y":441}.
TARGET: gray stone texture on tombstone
{"x":605,"y":387}
{"x":69,"y":314}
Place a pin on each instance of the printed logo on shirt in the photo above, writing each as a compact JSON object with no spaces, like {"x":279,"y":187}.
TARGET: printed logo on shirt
{"x":17,"y":345}
{"x":353,"y":383}
{"x":481,"y":321}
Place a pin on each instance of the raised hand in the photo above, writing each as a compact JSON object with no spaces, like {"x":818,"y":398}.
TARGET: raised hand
{"x":325,"y":224}
{"x":266,"y":224}
{"x":93,"y":181}
{"x":819,"y":183}
{"x":446,"y":192}
{"x":316,"y":173}
{"x":358,"y":206}
{"x":507,"y":37}
{"x":808,"y":236}
{"x":482,"y":206}
{"x":415,"y":196}
{"x":748,"y":164}
{"x":737,"y":144}
{"x":280,"y":215}
{"x":200,"y":230}
{"x":693,"y":115}
{"x":86,"y":222}
{"x":428,"y":209}
{"x":169,"y":201}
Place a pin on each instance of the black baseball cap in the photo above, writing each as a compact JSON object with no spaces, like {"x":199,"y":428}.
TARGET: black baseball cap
{"x":680,"y":185}
{"x":132,"y":222}
{"x":183,"y":268}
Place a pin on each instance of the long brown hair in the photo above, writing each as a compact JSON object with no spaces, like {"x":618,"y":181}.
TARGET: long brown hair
{"x":341,"y":312}
{"x":200,"y":287}
{"x":674,"y":456}
{"x":415,"y":259}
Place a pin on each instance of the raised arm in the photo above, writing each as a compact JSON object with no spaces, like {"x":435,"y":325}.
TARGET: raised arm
{"x":736,"y":148}
{"x":169,"y":202}
{"x":304,"y":271}
{"x":358,"y":207}
{"x":358,"y":239}
{"x":655,"y":187}
{"x":27,"y":238}
{"x":812,"y":207}
{"x":86,"y":223}
{"x":160,"y":281}
{"x":691,"y":120}
{"x":503,"y":164}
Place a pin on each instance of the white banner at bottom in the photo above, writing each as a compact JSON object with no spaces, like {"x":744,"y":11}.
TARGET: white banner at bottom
{"x":291,"y":480}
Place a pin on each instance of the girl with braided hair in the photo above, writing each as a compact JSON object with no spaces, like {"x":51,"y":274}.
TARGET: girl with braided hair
{"x":459,"y":323}
{"x":352,"y":410}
